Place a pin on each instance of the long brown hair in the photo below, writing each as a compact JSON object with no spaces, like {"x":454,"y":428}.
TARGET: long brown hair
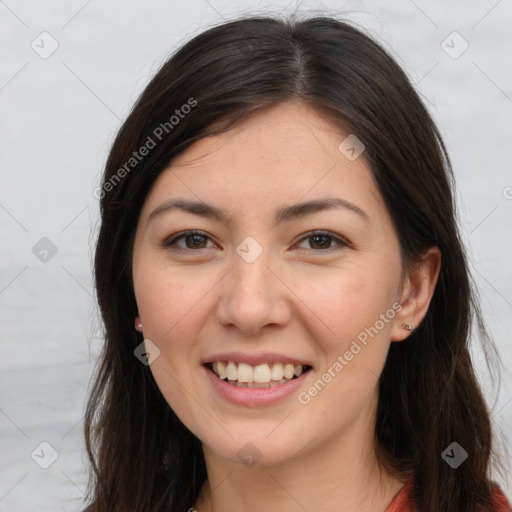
{"x":429,"y":396}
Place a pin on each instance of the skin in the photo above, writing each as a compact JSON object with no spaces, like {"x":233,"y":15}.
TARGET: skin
{"x":306,"y":297}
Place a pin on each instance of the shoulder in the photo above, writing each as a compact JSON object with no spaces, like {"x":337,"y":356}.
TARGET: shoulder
{"x":403,"y":501}
{"x":500,"y":502}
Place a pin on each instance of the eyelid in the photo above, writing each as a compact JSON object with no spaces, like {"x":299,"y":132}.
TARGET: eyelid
{"x":168,"y":242}
{"x":342,"y":242}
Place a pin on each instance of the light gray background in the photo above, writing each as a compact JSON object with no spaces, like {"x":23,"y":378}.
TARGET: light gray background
{"x":58,"y":118}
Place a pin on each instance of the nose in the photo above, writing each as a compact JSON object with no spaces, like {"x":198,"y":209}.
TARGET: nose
{"x":253,"y":296}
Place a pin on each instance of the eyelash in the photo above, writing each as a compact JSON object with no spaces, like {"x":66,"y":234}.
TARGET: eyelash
{"x":171,"y":241}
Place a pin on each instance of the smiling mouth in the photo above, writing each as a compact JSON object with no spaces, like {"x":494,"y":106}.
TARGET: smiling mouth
{"x":266,"y":375}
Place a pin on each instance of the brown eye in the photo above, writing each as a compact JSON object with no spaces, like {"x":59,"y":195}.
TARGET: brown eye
{"x":320,"y":241}
{"x":193,"y":240}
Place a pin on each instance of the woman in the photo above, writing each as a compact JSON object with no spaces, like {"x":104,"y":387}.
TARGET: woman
{"x":286,"y":299}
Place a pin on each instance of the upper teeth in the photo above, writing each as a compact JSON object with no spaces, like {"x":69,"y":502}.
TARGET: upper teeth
{"x":261,"y":373}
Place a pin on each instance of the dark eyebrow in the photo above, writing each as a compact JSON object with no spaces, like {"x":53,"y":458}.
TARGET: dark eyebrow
{"x":283,"y":214}
{"x":295,"y":211}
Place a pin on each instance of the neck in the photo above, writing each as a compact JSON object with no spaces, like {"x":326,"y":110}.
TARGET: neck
{"x":342,"y":474}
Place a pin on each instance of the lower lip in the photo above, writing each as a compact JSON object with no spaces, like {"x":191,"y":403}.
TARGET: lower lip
{"x":254,"y":396}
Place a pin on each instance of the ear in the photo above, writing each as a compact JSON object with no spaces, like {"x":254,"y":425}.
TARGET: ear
{"x":416,"y":292}
{"x":138,"y":324}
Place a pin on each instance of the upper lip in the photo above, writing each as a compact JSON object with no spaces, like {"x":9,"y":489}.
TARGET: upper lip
{"x":255,"y":359}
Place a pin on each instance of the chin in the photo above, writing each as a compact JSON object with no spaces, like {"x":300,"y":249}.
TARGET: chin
{"x":256,"y":450}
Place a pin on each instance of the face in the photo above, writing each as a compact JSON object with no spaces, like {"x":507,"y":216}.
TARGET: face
{"x":264,"y":285}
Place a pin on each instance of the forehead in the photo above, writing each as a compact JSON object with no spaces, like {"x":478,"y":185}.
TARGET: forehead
{"x":280,"y":155}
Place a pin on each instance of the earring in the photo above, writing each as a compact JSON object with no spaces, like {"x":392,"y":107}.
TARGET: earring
{"x":407,"y":327}
{"x":138,"y":325}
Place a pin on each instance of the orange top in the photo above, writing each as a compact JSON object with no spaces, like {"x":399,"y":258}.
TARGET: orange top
{"x":404,"y":502}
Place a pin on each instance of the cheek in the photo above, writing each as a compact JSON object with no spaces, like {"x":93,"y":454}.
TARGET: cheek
{"x":346,"y":303}
{"x":352,"y":339}
{"x":171,"y":303}
{"x":169,"y":300}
